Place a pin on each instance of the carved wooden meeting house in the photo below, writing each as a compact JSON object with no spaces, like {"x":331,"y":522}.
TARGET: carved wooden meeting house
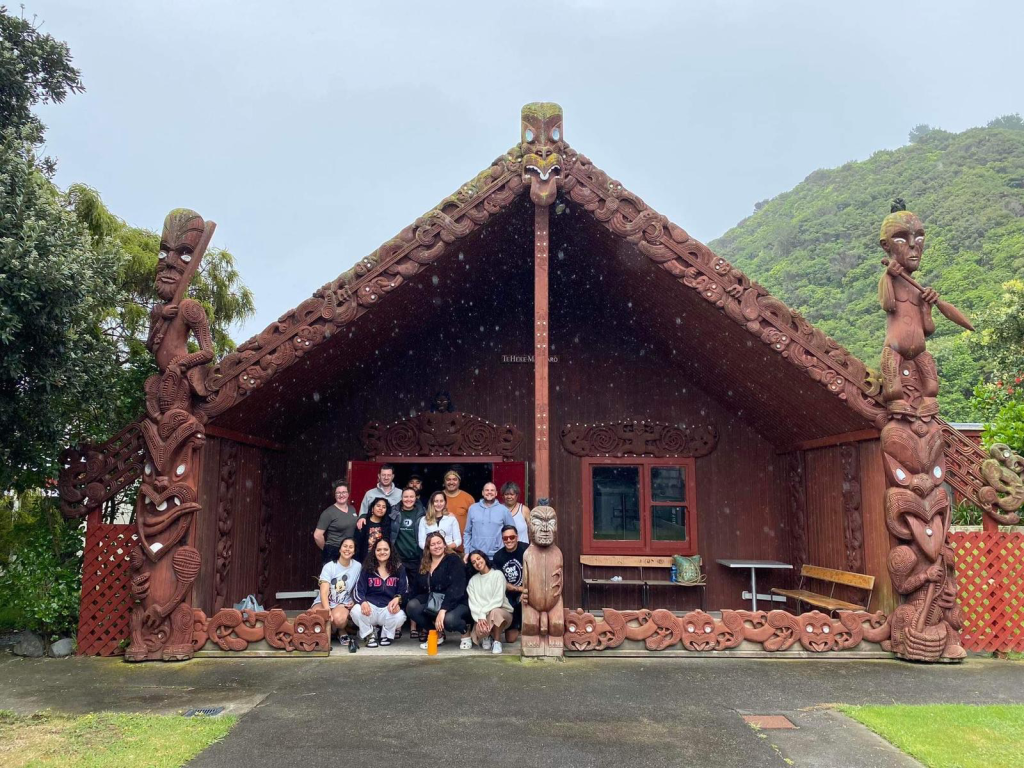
{"x":591,"y":350}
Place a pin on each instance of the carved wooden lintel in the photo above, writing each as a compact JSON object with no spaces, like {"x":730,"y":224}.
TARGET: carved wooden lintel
{"x":440,"y":434}
{"x":639,"y":438}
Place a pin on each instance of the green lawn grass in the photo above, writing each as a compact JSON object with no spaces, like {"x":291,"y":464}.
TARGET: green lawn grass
{"x":48,"y":740}
{"x":950,"y":735}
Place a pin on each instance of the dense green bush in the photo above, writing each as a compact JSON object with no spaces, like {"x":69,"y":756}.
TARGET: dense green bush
{"x":40,"y":566}
{"x":816,"y":246}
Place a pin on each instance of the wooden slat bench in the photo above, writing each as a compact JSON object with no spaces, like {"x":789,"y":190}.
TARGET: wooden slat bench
{"x":639,"y":562}
{"x":833,"y":577}
{"x":311,"y":594}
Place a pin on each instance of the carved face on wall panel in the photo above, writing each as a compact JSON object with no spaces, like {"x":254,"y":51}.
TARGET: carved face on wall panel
{"x":543,"y":526}
{"x":542,"y":145}
{"x":902,"y":238}
{"x":183,"y":230}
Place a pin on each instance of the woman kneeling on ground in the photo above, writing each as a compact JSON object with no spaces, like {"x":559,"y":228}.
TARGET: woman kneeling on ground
{"x":442,"y":577}
{"x":488,"y":604}
{"x":337,"y":581}
{"x":379,"y":592}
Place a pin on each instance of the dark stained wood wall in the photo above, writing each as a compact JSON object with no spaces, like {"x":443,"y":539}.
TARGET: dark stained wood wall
{"x":231,"y":493}
{"x":446,"y":334}
{"x":826,"y":524}
{"x":629,"y":344}
{"x":877,"y":540}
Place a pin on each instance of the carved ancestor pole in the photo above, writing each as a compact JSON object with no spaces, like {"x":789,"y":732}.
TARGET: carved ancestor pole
{"x":543,"y":574}
{"x":926,"y":627}
{"x":164,"y":565}
{"x":542,"y":145}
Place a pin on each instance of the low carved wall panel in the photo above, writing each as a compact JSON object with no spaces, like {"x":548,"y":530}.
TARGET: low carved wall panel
{"x":233,"y":630}
{"x":700,"y":632}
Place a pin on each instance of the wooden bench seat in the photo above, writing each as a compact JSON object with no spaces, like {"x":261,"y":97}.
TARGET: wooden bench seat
{"x":639,"y":562}
{"x":829,"y":576}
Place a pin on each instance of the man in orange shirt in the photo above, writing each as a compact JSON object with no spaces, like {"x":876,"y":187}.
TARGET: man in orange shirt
{"x":458,"y":501}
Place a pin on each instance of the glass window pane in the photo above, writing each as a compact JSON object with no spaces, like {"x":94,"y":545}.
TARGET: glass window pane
{"x":668,"y":484}
{"x":668,"y":523}
{"x":616,"y":494}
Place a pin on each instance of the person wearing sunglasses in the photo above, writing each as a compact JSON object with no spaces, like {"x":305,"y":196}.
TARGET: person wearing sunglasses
{"x":509,"y":560}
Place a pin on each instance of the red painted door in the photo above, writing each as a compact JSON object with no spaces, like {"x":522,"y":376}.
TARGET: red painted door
{"x":511,"y":471}
{"x":362,"y":477}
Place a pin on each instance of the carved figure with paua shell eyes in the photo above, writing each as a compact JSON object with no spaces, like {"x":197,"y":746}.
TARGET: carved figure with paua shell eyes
{"x":910,"y":380}
{"x":543,"y":526}
{"x":542,"y":145}
{"x":183,"y":230}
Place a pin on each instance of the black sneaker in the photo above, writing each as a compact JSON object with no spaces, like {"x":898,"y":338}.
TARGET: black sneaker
{"x":385,"y":641}
{"x":371,"y":641}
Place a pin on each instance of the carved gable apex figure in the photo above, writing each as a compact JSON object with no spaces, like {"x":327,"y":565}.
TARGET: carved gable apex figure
{"x":542,"y":144}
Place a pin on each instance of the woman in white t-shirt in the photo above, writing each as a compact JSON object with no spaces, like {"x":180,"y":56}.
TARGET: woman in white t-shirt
{"x":337,"y":580}
{"x":438,"y":518}
{"x":520,"y":512}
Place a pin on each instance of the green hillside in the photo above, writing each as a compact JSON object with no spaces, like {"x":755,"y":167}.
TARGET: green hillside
{"x":816,"y":247}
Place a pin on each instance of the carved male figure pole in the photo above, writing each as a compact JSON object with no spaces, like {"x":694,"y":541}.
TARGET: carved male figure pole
{"x":543,"y":611}
{"x":908,"y":369}
{"x":161,"y":618}
{"x":926,"y":627}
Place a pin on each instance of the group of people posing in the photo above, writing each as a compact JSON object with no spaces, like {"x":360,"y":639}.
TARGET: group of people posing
{"x":455,"y":566}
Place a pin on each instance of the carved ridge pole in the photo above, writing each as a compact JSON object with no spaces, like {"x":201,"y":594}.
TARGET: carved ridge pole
{"x":926,"y":626}
{"x":164,"y":565}
{"x":541,"y":389}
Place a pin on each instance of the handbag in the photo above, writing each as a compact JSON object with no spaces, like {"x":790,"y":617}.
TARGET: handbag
{"x":434,"y":599}
{"x":249,"y":603}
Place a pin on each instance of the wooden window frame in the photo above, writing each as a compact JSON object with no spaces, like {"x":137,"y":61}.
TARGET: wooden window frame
{"x":646,"y":545}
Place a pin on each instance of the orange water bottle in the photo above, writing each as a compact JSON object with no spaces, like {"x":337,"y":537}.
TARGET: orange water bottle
{"x":432,"y":643}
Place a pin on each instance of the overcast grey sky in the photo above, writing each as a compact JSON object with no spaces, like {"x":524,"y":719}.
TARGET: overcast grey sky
{"x":313,"y":132}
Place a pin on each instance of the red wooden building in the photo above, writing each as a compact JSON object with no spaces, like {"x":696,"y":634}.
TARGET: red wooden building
{"x":664,"y":402}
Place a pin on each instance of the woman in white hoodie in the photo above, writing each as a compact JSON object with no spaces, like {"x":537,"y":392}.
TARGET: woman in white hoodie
{"x":488,"y":603}
{"x":438,"y":518}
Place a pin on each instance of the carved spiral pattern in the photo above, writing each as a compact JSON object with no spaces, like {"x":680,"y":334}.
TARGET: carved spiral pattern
{"x":401,"y":439}
{"x":602,"y":440}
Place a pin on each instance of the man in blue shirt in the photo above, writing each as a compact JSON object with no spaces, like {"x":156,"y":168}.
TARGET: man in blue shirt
{"x":484,"y":522}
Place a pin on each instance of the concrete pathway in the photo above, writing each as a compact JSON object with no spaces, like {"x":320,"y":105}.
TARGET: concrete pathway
{"x":503,"y":712}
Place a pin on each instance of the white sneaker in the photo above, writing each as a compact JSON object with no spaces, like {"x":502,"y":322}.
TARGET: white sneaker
{"x":440,"y":642}
{"x":496,"y":648}
{"x":465,"y":644}
{"x":486,"y":643}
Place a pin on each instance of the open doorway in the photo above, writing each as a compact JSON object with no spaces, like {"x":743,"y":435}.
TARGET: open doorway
{"x":362,"y":475}
{"x":473,"y":475}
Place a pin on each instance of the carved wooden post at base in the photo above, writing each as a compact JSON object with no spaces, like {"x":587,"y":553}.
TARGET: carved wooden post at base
{"x":164,"y":565}
{"x":543,"y":611}
{"x":926,"y":627}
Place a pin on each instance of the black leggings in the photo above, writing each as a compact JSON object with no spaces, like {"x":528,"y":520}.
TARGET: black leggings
{"x":455,"y":620}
